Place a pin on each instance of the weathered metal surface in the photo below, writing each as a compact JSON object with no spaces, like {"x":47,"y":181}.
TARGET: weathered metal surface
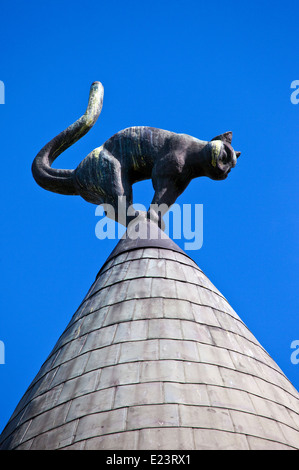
{"x":156,"y":358}
{"x":149,"y":237}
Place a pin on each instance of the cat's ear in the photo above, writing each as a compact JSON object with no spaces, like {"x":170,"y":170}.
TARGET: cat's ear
{"x":238,"y":154}
{"x":226,"y":137}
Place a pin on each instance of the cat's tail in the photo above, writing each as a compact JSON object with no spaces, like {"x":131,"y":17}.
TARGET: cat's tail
{"x":62,"y":181}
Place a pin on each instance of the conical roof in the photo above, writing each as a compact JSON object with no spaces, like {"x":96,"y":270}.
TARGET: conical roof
{"x":156,"y":358}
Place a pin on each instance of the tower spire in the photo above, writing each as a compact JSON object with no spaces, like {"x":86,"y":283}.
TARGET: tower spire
{"x":155,"y":358}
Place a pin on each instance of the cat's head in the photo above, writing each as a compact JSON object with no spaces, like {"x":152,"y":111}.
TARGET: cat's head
{"x":221,"y":157}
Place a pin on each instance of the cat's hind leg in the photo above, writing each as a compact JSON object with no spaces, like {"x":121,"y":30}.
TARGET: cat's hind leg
{"x":118,"y":188}
{"x":101,"y":180}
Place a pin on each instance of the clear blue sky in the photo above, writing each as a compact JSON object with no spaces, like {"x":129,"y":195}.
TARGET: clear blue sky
{"x":200,"y":68}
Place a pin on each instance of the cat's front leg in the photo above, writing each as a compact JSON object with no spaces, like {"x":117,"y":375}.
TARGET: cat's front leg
{"x":166,"y":194}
